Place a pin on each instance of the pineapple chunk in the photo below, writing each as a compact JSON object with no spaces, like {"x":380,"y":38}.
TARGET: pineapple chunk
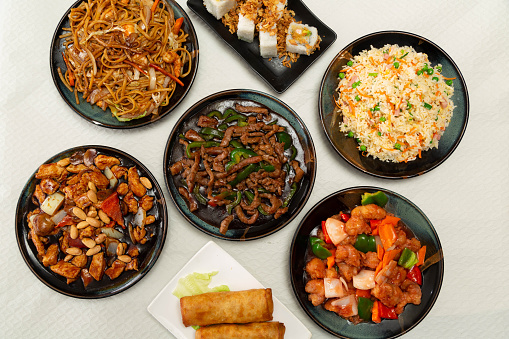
{"x":52,"y":203}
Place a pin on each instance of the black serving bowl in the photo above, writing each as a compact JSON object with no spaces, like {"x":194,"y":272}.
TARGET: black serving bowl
{"x":347,"y":147}
{"x":415,"y":221}
{"x":207,"y":218}
{"x":95,"y":114}
{"x":149,"y":252}
{"x":279,"y":77}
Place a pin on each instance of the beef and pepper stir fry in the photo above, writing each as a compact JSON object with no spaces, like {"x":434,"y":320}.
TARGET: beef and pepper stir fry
{"x":91,"y":216}
{"x":241,"y":160}
{"x":364,"y":265}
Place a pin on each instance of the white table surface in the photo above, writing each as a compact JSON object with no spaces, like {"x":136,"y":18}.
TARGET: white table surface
{"x":466,"y":198}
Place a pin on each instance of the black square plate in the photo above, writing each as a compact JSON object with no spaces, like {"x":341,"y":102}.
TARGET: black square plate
{"x":271,"y":70}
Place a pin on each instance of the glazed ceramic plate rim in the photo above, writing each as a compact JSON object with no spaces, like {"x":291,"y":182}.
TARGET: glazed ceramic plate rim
{"x":234,"y":94}
{"x":83,"y":108}
{"x":35,"y":265}
{"x":166,"y":307}
{"x":437,"y":284}
{"x":264,"y":68}
{"x":460,"y":91}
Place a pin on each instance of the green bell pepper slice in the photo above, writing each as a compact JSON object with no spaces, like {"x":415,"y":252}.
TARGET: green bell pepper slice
{"x":408,"y":258}
{"x":379,"y":198}
{"x":216,"y":114}
{"x":294,"y":153}
{"x":314,"y":240}
{"x":236,"y":144}
{"x":244,"y":174}
{"x":365,"y":243}
{"x":293,"y":189}
{"x":195,"y":144}
{"x":364,"y":307}
{"x":237,"y":117}
{"x":231,"y":206}
{"x":211,"y":131}
{"x":319,"y":250}
{"x":285,"y":139}
{"x":250,"y":197}
{"x":200,"y":198}
{"x":222,"y":127}
{"x":267,"y":167}
{"x":229,"y":112}
{"x":238,"y":153}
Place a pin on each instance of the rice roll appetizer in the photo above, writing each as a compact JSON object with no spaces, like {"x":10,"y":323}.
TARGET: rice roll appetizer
{"x":248,"y":14}
{"x":218,"y":8}
{"x":301,"y":39}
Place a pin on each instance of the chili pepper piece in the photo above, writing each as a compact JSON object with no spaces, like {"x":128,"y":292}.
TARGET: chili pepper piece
{"x":344,"y":217}
{"x":325,"y":233}
{"x":315,"y":240}
{"x":387,"y":312}
{"x":415,"y":275}
{"x":235,"y":143}
{"x":379,"y":198}
{"x":294,"y":153}
{"x":267,"y":167}
{"x":364,"y":306}
{"x":111,"y":206}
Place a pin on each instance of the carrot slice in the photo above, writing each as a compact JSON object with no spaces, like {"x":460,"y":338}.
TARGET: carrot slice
{"x":177,"y":25}
{"x":388,"y":256}
{"x":380,"y":252}
{"x":331,"y":261}
{"x":449,"y":78}
{"x":375,"y":312}
{"x":378,"y":268}
{"x":421,"y":254}
{"x":362,"y":293}
{"x":387,"y":235}
{"x":154,"y":6}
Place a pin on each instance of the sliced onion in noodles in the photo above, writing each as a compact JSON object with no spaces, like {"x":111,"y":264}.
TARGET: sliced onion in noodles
{"x":166,"y":81}
{"x":136,"y":74}
{"x":92,"y":59}
{"x":153,"y":79}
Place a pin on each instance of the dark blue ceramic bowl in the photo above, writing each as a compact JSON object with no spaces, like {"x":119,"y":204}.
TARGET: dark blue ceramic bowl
{"x":207,"y":218}
{"x":96,"y":115}
{"x":347,"y":147}
{"x":149,"y":252}
{"x":416,"y":222}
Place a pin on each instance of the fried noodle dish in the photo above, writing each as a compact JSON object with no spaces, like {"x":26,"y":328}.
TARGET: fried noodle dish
{"x":126,"y":55}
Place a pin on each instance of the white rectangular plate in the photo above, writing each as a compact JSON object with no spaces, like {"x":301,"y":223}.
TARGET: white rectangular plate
{"x":166,"y":307}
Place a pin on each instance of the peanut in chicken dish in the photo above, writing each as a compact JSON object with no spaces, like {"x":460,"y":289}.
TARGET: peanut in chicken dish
{"x":364,"y":264}
{"x":93,"y":216}
{"x":240,"y":164}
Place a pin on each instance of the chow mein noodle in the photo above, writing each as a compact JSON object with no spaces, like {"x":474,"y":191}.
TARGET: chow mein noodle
{"x":126,"y":55}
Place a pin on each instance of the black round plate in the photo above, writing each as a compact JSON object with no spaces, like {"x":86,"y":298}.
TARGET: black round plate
{"x":347,"y":147}
{"x":149,"y":252}
{"x":414,"y":219}
{"x":206,"y":218}
{"x":96,"y":115}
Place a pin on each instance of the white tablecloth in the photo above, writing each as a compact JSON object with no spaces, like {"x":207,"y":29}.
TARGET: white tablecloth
{"x":466,"y":198}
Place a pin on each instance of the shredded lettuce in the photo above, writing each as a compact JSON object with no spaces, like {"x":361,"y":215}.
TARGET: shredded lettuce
{"x":197,"y":283}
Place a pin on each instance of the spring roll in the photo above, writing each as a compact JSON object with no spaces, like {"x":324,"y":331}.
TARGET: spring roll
{"x":238,"y":307}
{"x":267,"y":330}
